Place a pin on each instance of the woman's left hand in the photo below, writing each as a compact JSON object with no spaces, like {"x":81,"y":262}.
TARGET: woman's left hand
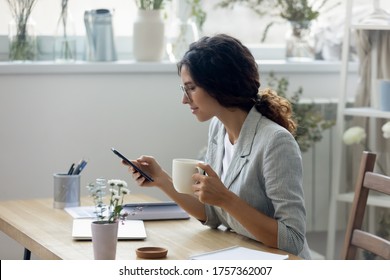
{"x":209,"y":188}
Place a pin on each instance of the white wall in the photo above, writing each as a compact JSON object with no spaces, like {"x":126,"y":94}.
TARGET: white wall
{"x":49,"y":121}
{"x":50,"y":118}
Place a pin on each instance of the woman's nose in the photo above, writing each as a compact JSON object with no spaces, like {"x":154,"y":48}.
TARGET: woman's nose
{"x":185,"y":100}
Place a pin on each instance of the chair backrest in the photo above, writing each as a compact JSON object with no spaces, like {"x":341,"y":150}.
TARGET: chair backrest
{"x":355,"y":236}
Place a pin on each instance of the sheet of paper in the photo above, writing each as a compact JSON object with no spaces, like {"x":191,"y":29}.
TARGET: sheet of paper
{"x":81,"y":212}
{"x":238,"y":253}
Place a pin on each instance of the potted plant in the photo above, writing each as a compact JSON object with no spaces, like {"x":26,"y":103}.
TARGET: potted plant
{"x":149,"y":31}
{"x":184,"y":27}
{"x":194,"y":10}
{"x":65,"y":42}
{"x":22,"y":37}
{"x":105,"y":227}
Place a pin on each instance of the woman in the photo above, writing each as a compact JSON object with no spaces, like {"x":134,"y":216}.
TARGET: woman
{"x":253,"y":165}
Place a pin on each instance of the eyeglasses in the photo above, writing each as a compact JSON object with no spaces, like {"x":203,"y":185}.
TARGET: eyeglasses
{"x":185,"y":92}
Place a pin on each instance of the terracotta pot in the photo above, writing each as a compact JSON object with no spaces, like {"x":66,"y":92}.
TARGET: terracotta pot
{"x":104,"y":240}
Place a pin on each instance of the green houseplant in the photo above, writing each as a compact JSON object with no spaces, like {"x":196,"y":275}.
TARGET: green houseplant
{"x":65,"y":42}
{"x":197,"y":12}
{"x":311,"y":123}
{"x":23,"y":42}
{"x":188,"y":19}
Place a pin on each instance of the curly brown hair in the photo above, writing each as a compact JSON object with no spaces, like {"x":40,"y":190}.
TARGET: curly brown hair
{"x":228,"y":72}
{"x":277,"y":109}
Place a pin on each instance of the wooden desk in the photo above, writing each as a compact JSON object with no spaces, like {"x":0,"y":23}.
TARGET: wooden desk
{"x":46,"y":232}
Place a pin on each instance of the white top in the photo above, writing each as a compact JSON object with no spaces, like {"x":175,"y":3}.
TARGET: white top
{"x":227,"y":156}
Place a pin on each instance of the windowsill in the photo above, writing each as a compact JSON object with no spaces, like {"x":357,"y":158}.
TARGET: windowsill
{"x":131,"y":66}
{"x":270,"y":58}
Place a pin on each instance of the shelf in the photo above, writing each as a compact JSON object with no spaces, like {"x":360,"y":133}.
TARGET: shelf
{"x":130,"y":66}
{"x":373,"y":200}
{"x":371,"y":27}
{"x":367,"y":112}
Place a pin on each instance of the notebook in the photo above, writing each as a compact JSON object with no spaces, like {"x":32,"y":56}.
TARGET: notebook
{"x":128,"y":230}
{"x":155,"y":211}
{"x":168,"y":210}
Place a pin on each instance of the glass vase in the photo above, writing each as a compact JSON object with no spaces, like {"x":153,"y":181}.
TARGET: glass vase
{"x":182,"y":34}
{"x":65,"y":39}
{"x":22,"y":40}
{"x":300,"y":42}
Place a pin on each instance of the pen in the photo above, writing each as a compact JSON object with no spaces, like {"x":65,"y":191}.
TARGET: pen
{"x":80,"y":167}
{"x":76,"y":168}
{"x":70,"y":172}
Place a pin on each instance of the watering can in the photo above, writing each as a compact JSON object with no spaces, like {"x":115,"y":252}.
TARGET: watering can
{"x":100,"y":35}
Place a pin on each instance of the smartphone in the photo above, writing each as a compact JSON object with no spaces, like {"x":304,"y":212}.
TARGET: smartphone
{"x":146,"y":176}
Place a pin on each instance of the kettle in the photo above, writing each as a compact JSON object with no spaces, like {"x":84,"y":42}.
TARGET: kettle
{"x":100,"y":35}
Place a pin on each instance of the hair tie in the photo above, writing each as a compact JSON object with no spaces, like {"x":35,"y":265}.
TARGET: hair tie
{"x":257,"y":99}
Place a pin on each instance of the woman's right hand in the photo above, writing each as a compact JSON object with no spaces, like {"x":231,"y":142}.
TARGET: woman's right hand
{"x":163,"y":181}
{"x":150,"y":166}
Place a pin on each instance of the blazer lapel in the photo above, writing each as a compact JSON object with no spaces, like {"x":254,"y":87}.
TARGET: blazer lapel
{"x":217,"y":151}
{"x":243,"y":148}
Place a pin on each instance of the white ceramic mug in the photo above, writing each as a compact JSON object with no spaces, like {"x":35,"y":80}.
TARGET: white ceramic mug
{"x":182,"y":171}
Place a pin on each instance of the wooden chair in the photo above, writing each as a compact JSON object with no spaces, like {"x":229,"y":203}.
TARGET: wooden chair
{"x":355,"y":237}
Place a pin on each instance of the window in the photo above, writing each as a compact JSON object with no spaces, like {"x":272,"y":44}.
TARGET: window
{"x":240,"y":22}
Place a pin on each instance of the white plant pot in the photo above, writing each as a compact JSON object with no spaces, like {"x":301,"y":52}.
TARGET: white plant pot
{"x":149,"y":36}
{"x":104,"y":240}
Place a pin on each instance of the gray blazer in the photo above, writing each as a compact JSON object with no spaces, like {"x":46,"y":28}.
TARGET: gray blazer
{"x":266,"y":172}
